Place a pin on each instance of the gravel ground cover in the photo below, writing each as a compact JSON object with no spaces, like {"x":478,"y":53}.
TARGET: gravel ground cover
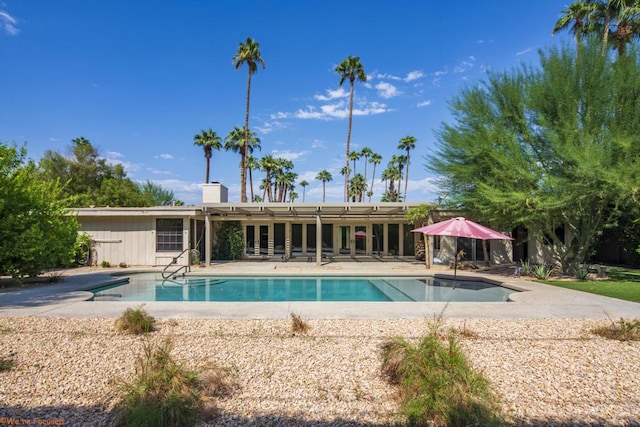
{"x":546,"y":372}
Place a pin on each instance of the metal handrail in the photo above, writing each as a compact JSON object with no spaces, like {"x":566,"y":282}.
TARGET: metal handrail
{"x":166,"y":275}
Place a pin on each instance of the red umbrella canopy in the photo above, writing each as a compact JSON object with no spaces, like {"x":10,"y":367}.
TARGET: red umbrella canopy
{"x":461,"y":227}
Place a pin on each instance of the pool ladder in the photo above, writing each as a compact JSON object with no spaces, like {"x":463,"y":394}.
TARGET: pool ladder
{"x":166,"y":275}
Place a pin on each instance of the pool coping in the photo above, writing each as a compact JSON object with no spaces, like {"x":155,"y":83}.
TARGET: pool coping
{"x":70,"y":298}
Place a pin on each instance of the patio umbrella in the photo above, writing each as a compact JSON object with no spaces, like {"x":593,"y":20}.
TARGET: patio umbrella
{"x":361,"y":234}
{"x":460,"y":227}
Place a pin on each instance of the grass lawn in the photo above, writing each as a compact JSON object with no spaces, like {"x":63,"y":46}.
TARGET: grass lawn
{"x":622,"y":284}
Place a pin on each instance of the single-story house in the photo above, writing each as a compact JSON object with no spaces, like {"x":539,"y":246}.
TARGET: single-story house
{"x":157,"y":236}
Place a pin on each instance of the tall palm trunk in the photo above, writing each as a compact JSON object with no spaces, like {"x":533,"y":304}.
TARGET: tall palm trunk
{"x":406,"y":179}
{"x":373,"y":176}
{"x":251,"y":182}
{"x":346,"y":175}
{"x":243,"y":170}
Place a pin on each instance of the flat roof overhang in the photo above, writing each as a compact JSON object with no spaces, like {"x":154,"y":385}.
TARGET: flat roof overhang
{"x":172,"y":211}
{"x":308,"y":209}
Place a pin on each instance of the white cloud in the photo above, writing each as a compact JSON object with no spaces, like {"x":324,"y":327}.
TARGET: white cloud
{"x":464,"y":65}
{"x":288,"y":154}
{"x":424,"y":103}
{"x":340,"y":110}
{"x":280,"y":115}
{"x":376,"y":75}
{"x":114,"y":155}
{"x":484,"y":41}
{"x":317,"y":143}
{"x":189,"y":192}
{"x":165,"y":156}
{"x":387,"y":90}
{"x":441,"y":73}
{"x":522,"y":52}
{"x":332,"y":94}
{"x":413,"y":75}
{"x":159,"y":171}
{"x":268,"y":127}
{"x":8,"y":23}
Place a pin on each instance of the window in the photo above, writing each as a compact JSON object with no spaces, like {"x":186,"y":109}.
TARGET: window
{"x":168,"y":235}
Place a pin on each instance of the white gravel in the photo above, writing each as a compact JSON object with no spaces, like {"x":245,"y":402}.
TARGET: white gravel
{"x":546,"y":372}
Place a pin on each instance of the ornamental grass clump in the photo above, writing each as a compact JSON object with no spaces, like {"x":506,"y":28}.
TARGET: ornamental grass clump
{"x":135,"y":321}
{"x":622,"y":330}
{"x":298,"y":324}
{"x":437,"y":386}
{"x":163,"y":392}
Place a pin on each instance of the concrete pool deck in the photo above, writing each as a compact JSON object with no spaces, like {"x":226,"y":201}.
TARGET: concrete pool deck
{"x":69,"y":298}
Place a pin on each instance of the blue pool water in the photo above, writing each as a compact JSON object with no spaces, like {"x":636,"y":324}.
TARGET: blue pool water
{"x":151,"y":287}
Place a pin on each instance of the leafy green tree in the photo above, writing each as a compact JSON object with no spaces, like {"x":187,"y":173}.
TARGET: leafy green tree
{"x":547,"y":147}
{"x":209,"y":141}
{"x":248,"y":53}
{"x":37,"y":233}
{"x":88,"y":180}
{"x":324,"y":176}
{"x":350,"y":69}
{"x":407,"y":143}
{"x":155,"y":195}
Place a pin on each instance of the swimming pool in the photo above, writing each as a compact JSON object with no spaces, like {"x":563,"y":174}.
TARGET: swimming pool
{"x":151,"y":287}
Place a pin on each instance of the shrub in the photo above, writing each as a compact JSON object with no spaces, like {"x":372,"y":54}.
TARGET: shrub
{"x":582,"y":273}
{"x":298,"y":324}
{"x":437,"y":386}
{"x":623,"y":330}
{"x":230,"y":241}
{"x":123,"y":265}
{"x":135,"y":321}
{"x":105,"y":264}
{"x":163,"y":392}
{"x":542,"y":271}
{"x":6,"y":362}
{"x":525,"y":268}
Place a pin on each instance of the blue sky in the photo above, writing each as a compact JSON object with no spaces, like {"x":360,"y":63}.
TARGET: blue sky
{"x":140,"y":79}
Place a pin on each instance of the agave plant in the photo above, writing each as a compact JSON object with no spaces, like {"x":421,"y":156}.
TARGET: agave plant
{"x":542,"y":271}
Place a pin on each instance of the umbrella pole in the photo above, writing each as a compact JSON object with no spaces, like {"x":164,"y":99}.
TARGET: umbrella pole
{"x":455,"y":264}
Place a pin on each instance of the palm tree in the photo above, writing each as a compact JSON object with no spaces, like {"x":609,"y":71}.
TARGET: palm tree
{"x":268,"y":164}
{"x":248,"y":53}
{"x":209,"y":141}
{"x":350,"y":69}
{"x":375,"y":159}
{"x":391,"y":174}
{"x":303,"y":184}
{"x":236,"y":142}
{"x":627,"y":14}
{"x":252,"y":164}
{"x":407,"y":143}
{"x":324,"y":176}
{"x":354,"y":156}
{"x":577,"y":13}
{"x":366,"y":152}
{"x":358,"y":186}
{"x":292,"y":196}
